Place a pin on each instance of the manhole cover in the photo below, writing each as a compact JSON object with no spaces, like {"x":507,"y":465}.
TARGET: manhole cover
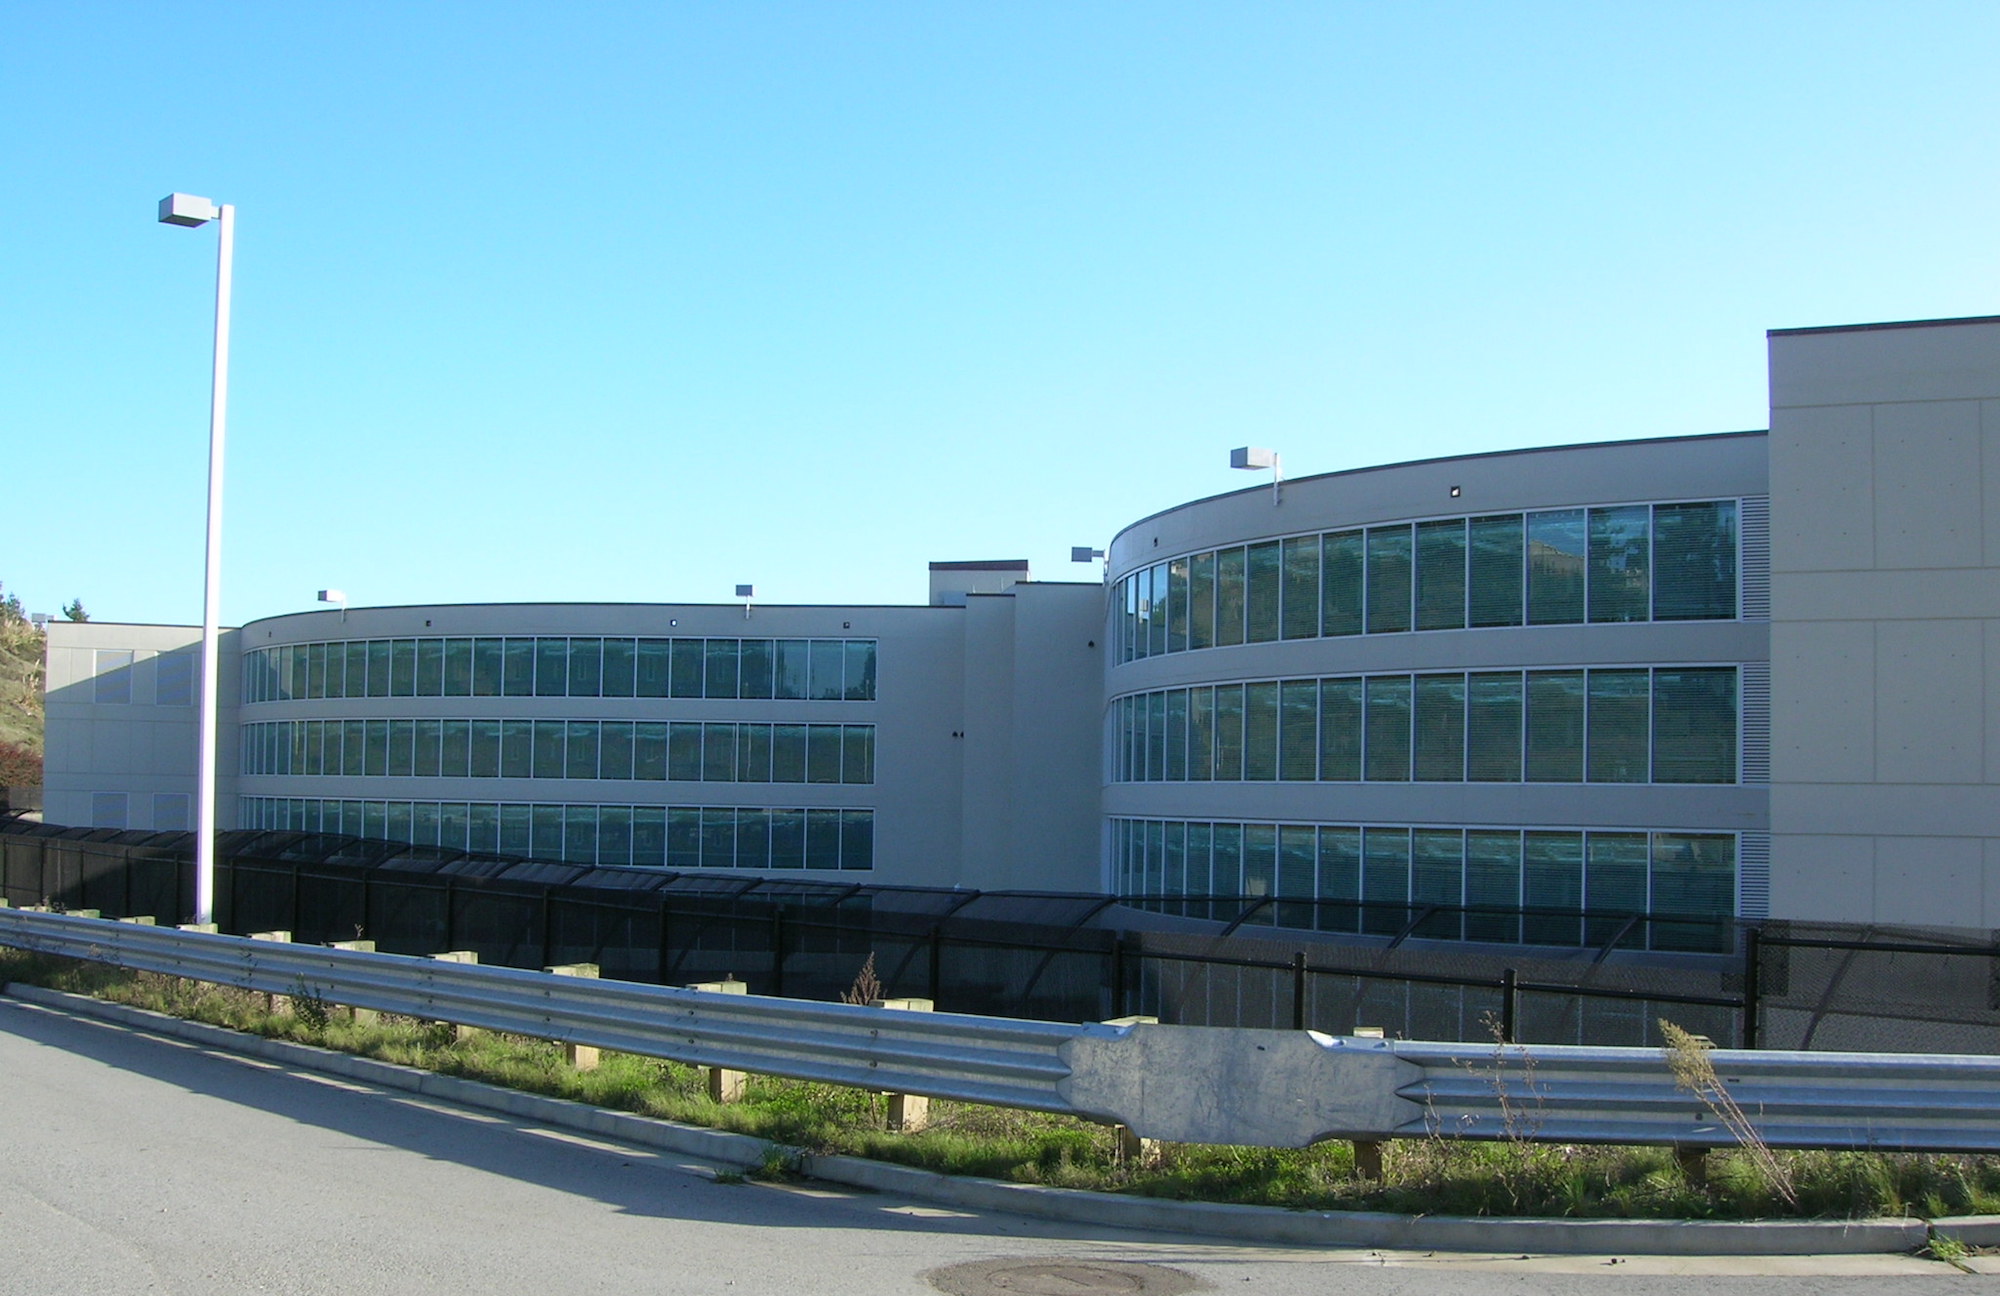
{"x":1060,"y":1277}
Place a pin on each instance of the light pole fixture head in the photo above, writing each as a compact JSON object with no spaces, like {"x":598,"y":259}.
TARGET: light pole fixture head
{"x":187,"y":210}
{"x":1084,"y":553}
{"x":1253,"y":457}
{"x":333,"y":596}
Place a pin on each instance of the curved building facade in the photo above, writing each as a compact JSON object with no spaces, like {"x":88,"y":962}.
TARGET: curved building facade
{"x":1537,"y":679}
{"x":1506,"y":697}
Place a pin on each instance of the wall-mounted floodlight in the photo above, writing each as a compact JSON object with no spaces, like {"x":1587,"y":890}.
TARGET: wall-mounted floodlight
{"x":335,"y":596}
{"x":187,"y":210}
{"x":1084,"y":553}
{"x":1256,"y":457}
{"x":41,"y":620}
{"x":746,"y":593}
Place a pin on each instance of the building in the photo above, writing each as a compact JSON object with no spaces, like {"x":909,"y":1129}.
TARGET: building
{"x":1730,"y":675}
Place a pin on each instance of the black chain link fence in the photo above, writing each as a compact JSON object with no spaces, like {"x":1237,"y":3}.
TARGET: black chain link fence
{"x":1224,"y":961}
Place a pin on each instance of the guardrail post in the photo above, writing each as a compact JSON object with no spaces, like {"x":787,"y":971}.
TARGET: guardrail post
{"x":210,"y":928}
{"x":1693,"y":1162}
{"x":459,"y":1032}
{"x":1133,"y":1150}
{"x":274,"y":1002}
{"x":137,"y":920}
{"x":1118,"y":975}
{"x":584,"y":1057}
{"x":361,"y":1016}
{"x":908,"y":1113}
{"x":724,"y":1085}
{"x":1299,"y":990}
{"x":1368,"y":1152}
{"x":1510,"y":1004}
{"x":1753,"y":976}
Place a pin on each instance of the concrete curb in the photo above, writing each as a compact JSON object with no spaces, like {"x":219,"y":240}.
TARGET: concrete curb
{"x":1212,"y":1219}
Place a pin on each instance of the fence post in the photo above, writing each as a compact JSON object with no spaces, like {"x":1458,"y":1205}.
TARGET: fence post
{"x":1118,"y":975}
{"x":584,"y":1057}
{"x":549,"y":925}
{"x":724,"y":1085}
{"x":908,"y":1113}
{"x":936,"y":959}
{"x":778,"y":951}
{"x":1299,"y":990}
{"x":1510,"y":1004}
{"x":1753,"y":976}
{"x":666,"y":930}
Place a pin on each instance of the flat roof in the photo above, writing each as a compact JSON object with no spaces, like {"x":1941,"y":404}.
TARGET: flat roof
{"x":1892,"y":324}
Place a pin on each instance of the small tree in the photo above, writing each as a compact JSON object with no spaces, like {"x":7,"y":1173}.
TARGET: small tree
{"x":74,"y":610}
{"x":10,"y":609}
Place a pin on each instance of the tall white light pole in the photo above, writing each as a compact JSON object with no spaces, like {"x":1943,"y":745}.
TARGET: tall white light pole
{"x":188,"y":210}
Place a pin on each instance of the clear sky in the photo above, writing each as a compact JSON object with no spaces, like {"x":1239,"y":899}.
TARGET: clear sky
{"x":633,"y":302}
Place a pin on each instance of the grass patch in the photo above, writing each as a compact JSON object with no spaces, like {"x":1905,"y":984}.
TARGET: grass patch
{"x":1420,"y":1176}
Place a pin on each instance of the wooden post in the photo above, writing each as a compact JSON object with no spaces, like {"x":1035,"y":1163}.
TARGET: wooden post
{"x":908,"y":1113}
{"x":1368,"y":1159}
{"x":584,"y":1057}
{"x":1693,"y":1162}
{"x":459,"y":1031}
{"x":362,"y":1016}
{"x":274,"y":1002}
{"x":1133,"y":1150}
{"x":724,"y":1085}
{"x":140,"y":920}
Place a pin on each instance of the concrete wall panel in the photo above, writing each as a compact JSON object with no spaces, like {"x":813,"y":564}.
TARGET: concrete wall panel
{"x":1930,"y":880}
{"x":1830,"y":879}
{"x":1822,"y":701}
{"x":1930,"y":679}
{"x":1822,"y":491}
{"x":1929,"y":487}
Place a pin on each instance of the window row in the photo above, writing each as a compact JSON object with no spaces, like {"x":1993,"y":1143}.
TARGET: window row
{"x":1637,"y":562}
{"x":1539,"y":887}
{"x":545,"y":666}
{"x":676,"y":837}
{"x":646,"y":750}
{"x":1627,"y":725}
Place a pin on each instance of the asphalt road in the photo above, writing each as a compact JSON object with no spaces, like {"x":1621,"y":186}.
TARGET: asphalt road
{"x":130,"y":1163}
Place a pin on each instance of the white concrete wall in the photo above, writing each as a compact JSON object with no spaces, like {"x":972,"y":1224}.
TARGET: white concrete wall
{"x":1885,"y":634}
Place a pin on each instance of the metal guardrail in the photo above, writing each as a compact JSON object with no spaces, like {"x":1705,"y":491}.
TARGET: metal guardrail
{"x":1190,"y":1084}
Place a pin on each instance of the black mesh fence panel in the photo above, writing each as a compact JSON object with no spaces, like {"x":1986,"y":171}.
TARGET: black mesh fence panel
{"x":1424,"y":973}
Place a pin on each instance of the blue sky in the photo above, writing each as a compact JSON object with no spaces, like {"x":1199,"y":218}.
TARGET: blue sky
{"x":633,"y":302}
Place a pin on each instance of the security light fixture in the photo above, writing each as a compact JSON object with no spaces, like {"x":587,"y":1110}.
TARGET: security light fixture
{"x":746,"y":593}
{"x":1256,"y":457}
{"x":1454,"y":492}
{"x":1084,"y":553}
{"x":187,"y":210}
{"x":340,"y":597}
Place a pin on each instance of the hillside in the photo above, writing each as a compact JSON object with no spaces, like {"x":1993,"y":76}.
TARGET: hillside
{"x":20,"y":701}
